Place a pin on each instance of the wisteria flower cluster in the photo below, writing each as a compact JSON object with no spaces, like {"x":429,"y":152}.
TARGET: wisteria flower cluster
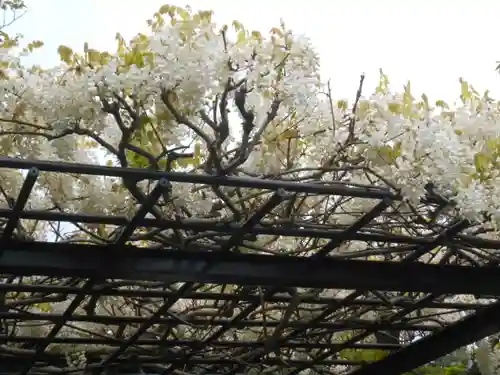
{"x":245,"y":103}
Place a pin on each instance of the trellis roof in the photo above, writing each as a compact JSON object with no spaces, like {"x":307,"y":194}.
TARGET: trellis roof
{"x":211,"y":303}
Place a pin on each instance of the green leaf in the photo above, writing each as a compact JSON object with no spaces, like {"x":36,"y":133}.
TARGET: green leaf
{"x":441,"y":104}
{"x":241,"y":37}
{"x":197,"y":154}
{"x":136,"y":160}
{"x":101,"y":230}
{"x":465,"y":92}
{"x":480,"y":161}
{"x":389,"y":154}
{"x":383,"y":85}
{"x":44,"y":307}
{"x":395,"y":108}
{"x":237,"y":26}
{"x":482,"y":164}
{"x":455,"y":370}
{"x":150,"y":134}
{"x":164,"y":9}
{"x":34,"y":45}
{"x":93,"y":56}
{"x":407,"y":100}
{"x":144,"y":120}
{"x":184,"y":14}
{"x":257,"y":35}
{"x":342,"y":104}
{"x":425,"y":99}
{"x":65,"y":54}
{"x":362,"y":355}
{"x":206,"y":15}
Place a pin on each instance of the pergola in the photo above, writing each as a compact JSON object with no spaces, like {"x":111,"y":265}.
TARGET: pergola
{"x":237,"y":337}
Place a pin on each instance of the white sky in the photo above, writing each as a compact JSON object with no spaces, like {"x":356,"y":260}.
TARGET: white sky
{"x":430,"y":42}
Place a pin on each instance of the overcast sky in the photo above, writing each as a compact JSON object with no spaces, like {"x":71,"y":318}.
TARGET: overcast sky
{"x":430,"y":42}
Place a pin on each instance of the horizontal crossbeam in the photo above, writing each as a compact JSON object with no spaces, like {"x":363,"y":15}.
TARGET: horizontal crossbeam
{"x":352,"y":323}
{"x":138,"y":174}
{"x":130,"y":263}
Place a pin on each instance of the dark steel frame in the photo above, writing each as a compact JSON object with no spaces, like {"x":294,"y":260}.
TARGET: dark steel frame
{"x":171,"y":274}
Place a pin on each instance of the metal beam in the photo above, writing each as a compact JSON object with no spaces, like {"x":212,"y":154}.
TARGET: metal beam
{"x":171,"y":321}
{"x":125,"y":262}
{"x":138,"y":174}
{"x":200,"y":225}
{"x":467,"y":331}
